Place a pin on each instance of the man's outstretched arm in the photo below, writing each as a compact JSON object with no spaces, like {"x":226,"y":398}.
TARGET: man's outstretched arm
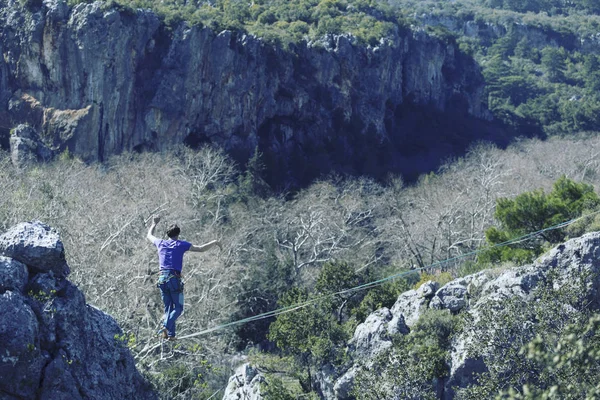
{"x":206,"y":246}
{"x":150,"y":236}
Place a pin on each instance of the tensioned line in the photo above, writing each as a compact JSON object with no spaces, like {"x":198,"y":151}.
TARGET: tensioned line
{"x":378,"y":282}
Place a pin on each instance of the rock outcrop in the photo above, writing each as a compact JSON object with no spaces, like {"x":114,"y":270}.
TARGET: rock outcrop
{"x":54,"y":345}
{"x":26,"y":148}
{"x":100,"y":80}
{"x":244,"y":384}
{"x":471,"y":294}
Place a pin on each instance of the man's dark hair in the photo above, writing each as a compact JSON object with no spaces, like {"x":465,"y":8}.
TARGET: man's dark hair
{"x":173,"y":231}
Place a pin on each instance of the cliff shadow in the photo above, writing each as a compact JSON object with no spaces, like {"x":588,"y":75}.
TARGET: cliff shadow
{"x":418,"y":139}
{"x":5,"y":139}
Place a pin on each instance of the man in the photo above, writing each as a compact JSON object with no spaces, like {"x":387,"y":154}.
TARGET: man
{"x":170,"y":257}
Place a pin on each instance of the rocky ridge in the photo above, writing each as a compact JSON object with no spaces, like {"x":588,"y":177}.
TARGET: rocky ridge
{"x":54,"y":345}
{"x":470,"y":294}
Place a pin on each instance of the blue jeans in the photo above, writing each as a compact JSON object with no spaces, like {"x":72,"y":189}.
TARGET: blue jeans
{"x":171,"y":289}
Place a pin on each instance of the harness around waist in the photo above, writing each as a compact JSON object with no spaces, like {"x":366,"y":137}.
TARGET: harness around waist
{"x":166,"y":275}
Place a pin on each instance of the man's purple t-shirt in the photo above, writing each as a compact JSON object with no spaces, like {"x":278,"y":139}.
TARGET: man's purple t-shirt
{"x":170,"y":253}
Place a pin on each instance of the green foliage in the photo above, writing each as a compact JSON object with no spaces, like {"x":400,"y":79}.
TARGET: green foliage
{"x":310,"y":333}
{"x":126,"y":339}
{"x":533,"y":344}
{"x":274,"y":389}
{"x":42,"y":296}
{"x":411,"y":368}
{"x":336,"y":277}
{"x":185,"y":373}
{"x":554,"y":62}
{"x":178,"y":379}
{"x":66,"y":155}
{"x":570,"y":365}
{"x":259,"y":294}
{"x":532,"y":85}
{"x":442,"y":33}
{"x":535,"y":211}
{"x":590,"y":223}
{"x":284,"y":22}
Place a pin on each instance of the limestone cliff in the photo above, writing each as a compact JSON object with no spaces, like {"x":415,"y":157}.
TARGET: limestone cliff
{"x":54,"y":345}
{"x":98,"y":81}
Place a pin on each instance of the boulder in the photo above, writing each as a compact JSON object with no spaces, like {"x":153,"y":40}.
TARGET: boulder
{"x":21,"y":359}
{"x":13,"y":275}
{"x":54,"y":345}
{"x":324,"y":382}
{"x":36,"y":245}
{"x":453,"y":296}
{"x":26,"y":146}
{"x":345,"y":384}
{"x":374,"y":335}
{"x":244,"y":384}
{"x":410,"y":304}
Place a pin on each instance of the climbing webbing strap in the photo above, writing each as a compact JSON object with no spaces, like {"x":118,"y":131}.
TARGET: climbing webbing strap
{"x":166,"y":276}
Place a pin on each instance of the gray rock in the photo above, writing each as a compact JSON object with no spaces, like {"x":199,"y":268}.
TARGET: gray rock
{"x":250,"y":373}
{"x":22,"y":151}
{"x":410,"y":304}
{"x":13,"y":275}
{"x":577,"y":257}
{"x":21,"y":361}
{"x":452,"y":296}
{"x":345,"y":384}
{"x":325,"y":381}
{"x":35,"y":245}
{"x":372,"y":336}
{"x":427,"y":290}
{"x":471,"y":294}
{"x":244,"y":384}
{"x":370,"y":339}
{"x":26,"y":147}
{"x":476,"y":282}
{"x":53,"y":345}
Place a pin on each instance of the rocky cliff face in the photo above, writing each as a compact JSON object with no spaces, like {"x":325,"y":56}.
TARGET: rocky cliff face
{"x":54,"y":345}
{"x":537,"y":36}
{"x":100,"y":81}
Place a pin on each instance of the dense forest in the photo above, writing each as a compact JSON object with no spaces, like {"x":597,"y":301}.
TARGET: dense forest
{"x":540,"y":60}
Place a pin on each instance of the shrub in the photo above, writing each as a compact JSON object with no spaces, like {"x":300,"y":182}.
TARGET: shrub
{"x":533,"y":212}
